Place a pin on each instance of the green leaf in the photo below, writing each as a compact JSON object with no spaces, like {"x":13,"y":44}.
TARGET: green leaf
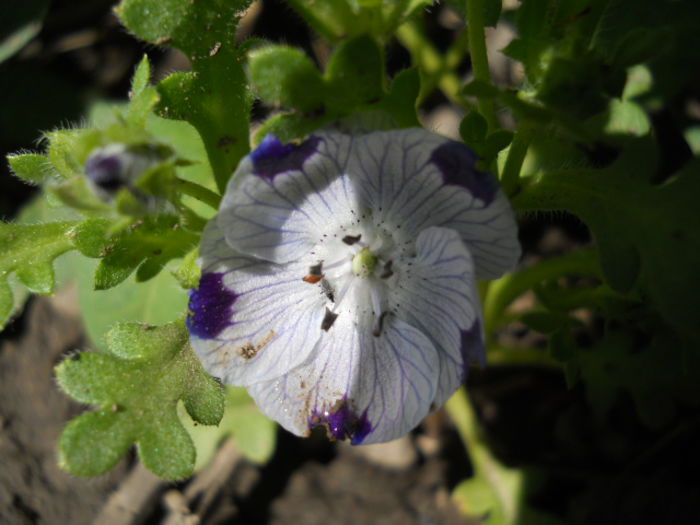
{"x":646,"y":234}
{"x":254,"y":433}
{"x":148,"y":244}
{"x":495,"y":142}
{"x":31,"y":167}
{"x":355,"y":74}
{"x":189,"y":272}
{"x":654,"y":374}
{"x":213,"y":97}
{"x":402,"y":98}
{"x":473,"y":128}
{"x":143,"y":97}
{"x":29,"y":250}
{"x":137,"y":386}
{"x":492,"y":10}
{"x":21,"y":21}
{"x":286,"y":77}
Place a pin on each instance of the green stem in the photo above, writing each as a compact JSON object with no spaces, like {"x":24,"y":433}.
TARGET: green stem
{"x":510,"y":177}
{"x":480,"y":61}
{"x":200,"y":193}
{"x":504,"y":290}
{"x":503,"y":481}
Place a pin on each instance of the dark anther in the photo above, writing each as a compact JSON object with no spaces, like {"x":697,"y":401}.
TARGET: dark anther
{"x":351,"y":239}
{"x":387,"y":271}
{"x":316,"y":269}
{"x":315,"y":274}
{"x":380,"y":323}
{"x":328,"y":290}
{"x":328,"y":320}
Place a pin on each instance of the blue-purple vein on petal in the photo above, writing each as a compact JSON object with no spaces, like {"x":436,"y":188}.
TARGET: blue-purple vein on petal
{"x":457,"y":162}
{"x":210,"y":307}
{"x":272,"y":157}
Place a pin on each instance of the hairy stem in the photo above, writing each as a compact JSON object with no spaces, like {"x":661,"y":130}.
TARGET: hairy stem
{"x":200,"y":193}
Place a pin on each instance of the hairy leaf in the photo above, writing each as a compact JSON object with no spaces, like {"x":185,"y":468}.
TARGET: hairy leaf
{"x":137,"y":386}
{"x":286,"y":77}
{"x":254,"y":434}
{"x":213,"y":97}
{"x":29,"y":251}
{"x":646,"y":234}
{"x":148,"y":245}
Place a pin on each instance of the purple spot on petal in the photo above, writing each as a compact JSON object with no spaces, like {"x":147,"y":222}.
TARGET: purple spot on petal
{"x":105,"y":171}
{"x":272,"y":157}
{"x":457,"y":162}
{"x":342,"y":422}
{"x":473,"y":349}
{"x":210,"y":306}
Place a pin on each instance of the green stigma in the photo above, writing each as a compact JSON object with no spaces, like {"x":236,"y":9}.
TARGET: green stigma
{"x":363,"y":263}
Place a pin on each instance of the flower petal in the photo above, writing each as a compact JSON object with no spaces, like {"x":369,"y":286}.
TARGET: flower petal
{"x":250,"y":320}
{"x":283,"y":198}
{"x":437,"y":295}
{"x":364,"y":388}
{"x":417,"y":179}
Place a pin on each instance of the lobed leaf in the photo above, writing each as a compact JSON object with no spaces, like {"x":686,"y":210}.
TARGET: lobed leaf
{"x":254,"y":433}
{"x":29,"y":251}
{"x":137,"y":386}
{"x":647,"y":235}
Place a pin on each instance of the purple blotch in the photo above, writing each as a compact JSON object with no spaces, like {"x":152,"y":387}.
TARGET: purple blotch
{"x":457,"y":162}
{"x":473,"y":349}
{"x":342,"y":422}
{"x":105,"y":171}
{"x":210,"y":306}
{"x":272,"y":157}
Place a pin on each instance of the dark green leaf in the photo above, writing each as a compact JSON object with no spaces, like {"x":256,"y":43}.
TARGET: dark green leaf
{"x":645,"y":232}
{"x":473,"y":128}
{"x":493,"y":12}
{"x":401,"y":100}
{"x":355,"y":74}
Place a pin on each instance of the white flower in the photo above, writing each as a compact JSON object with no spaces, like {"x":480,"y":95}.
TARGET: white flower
{"x":339,"y":279}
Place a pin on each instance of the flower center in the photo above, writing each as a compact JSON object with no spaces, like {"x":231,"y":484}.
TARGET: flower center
{"x":364,"y":262}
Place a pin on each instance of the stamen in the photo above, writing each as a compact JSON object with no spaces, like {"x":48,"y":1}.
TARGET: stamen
{"x":315,"y":274}
{"x":379,"y":314}
{"x":328,"y":290}
{"x":387,"y":271}
{"x":351,"y":239}
{"x":328,"y":319}
{"x":316,"y":269}
{"x":379,"y":324}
